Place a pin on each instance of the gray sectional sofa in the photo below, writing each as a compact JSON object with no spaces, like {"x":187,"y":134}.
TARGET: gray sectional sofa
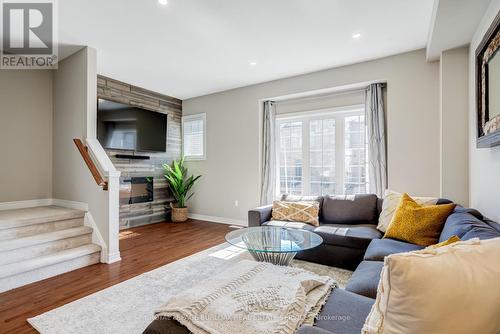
{"x":347,"y":227}
{"x":351,"y":241}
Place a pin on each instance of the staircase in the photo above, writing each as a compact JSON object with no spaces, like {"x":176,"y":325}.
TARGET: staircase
{"x":41,"y":242}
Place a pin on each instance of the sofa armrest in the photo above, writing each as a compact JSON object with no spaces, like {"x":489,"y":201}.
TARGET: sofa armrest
{"x":259,"y":215}
{"x":312,"y":330}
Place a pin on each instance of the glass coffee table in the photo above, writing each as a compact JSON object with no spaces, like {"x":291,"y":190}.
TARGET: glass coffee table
{"x":277,"y":245}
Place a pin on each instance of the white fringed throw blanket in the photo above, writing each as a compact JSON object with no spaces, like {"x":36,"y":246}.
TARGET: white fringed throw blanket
{"x":251,"y":298}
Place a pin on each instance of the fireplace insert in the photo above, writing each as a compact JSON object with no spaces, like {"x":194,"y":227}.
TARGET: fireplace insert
{"x":137,"y":190}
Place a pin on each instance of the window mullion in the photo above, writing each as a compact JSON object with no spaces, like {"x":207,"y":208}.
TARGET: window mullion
{"x":339,"y":153}
{"x":277,"y":139}
{"x":306,"y":184}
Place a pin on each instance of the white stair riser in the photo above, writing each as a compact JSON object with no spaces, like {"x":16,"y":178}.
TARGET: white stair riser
{"x":15,"y":281}
{"x":25,"y":231}
{"x":30,"y":252}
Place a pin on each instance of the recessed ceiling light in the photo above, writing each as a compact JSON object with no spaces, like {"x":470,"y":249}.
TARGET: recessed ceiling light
{"x":253,"y":63}
{"x":163,"y":2}
{"x":356,"y":36}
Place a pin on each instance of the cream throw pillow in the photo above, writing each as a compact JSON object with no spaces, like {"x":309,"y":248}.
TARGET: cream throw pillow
{"x":304,"y":212}
{"x":451,"y":289}
{"x":391,"y":203}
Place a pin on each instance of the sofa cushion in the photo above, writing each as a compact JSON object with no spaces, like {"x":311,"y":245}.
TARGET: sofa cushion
{"x":482,"y":232}
{"x":312,"y":330}
{"x":333,"y":256}
{"x":297,"y":225}
{"x":465,"y":224}
{"x":380,"y":248}
{"x":493,"y":224}
{"x":352,"y":236}
{"x":365,"y":279}
{"x":357,"y":209}
{"x":344,"y":312}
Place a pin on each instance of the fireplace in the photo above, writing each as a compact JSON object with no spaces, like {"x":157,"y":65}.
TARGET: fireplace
{"x":136,"y":190}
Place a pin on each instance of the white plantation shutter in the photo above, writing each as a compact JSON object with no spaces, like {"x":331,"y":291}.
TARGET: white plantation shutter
{"x":193,"y":131}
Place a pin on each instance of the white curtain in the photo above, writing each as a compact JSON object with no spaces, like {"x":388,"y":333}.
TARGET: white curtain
{"x":377,"y":151}
{"x":268,"y":182}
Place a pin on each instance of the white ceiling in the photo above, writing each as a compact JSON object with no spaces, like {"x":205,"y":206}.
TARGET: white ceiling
{"x":453,"y":24}
{"x":195,"y":47}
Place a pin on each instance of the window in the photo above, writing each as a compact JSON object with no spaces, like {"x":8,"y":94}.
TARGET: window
{"x":193,"y":134}
{"x":322,"y":153}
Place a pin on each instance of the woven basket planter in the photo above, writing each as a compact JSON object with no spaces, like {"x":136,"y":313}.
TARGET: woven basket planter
{"x":179,"y":215}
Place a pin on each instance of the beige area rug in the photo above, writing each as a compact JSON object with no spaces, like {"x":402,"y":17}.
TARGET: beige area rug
{"x":129,"y":307}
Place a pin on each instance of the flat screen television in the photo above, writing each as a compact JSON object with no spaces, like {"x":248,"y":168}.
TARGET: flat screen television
{"x":124,"y":127}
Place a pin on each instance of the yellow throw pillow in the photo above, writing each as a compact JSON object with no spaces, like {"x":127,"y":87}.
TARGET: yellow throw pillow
{"x":451,"y":289}
{"x":391,"y":202}
{"x":304,"y":212}
{"x":450,"y":241}
{"x":420,"y":225}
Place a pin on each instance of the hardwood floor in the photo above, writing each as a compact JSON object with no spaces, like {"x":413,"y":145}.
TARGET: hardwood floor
{"x":142,"y":249}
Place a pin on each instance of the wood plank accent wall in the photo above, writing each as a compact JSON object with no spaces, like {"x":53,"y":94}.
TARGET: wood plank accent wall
{"x":158,"y":210}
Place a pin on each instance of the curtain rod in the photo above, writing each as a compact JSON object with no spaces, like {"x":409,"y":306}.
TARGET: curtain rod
{"x":325,"y":95}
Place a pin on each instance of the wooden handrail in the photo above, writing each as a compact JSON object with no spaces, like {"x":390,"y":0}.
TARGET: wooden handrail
{"x":84,"y":151}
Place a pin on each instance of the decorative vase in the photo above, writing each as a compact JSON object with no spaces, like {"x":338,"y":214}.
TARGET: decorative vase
{"x":179,"y":215}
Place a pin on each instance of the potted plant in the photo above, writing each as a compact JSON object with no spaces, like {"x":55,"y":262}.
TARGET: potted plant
{"x":180,"y":184}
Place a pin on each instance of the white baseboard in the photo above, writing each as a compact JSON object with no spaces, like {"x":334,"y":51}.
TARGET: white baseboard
{"x":32,"y":203}
{"x":112,"y":258}
{"x":221,"y":220}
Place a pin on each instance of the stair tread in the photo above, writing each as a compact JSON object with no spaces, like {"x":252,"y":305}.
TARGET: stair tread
{"x":47,"y":260}
{"x":42,"y":238}
{"x":37,"y":215}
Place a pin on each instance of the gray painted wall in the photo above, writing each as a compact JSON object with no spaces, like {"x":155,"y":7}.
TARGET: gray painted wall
{"x":484,"y":163}
{"x":232,"y":168}
{"x":454,"y":126}
{"x":75,"y":93}
{"x":25,"y":135}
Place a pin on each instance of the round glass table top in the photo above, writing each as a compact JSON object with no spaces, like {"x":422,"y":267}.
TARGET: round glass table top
{"x":273,"y":239}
